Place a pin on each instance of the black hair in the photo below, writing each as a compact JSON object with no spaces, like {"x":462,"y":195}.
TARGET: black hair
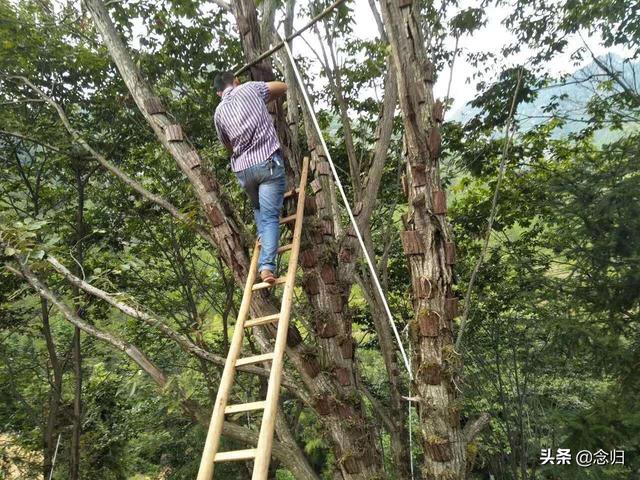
{"x":223,"y":80}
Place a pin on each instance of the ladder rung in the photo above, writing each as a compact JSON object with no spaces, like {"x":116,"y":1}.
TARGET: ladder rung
{"x":285,"y":248}
{"x":245,"y":407}
{"x":254,"y":359}
{"x":261,"y":285}
{"x":288,"y":219}
{"x":261,"y":320}
{"x":235,"y":455}
{"x":291,"y":192}
{"x":282,"y":249}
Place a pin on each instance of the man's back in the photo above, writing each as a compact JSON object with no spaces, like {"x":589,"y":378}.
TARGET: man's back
{"x":244,"y":124}
{"x":245,"y":127}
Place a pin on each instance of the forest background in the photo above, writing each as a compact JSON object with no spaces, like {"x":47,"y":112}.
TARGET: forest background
{"x":118,"y":296}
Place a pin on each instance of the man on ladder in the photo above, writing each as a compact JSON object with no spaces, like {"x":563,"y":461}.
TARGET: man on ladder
{"x":244,"y":126}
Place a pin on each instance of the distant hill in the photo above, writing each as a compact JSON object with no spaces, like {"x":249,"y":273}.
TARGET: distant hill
{"x":571,"y":95}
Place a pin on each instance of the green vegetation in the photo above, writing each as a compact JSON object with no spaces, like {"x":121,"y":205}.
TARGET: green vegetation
{"x":551,"y":349}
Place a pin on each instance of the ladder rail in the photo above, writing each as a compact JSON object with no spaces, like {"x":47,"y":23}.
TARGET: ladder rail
{"x":212,"y":443}
{"x":265,"y":438}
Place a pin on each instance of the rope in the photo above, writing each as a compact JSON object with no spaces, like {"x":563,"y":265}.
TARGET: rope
{"x":372,"y":269}
{"x":55,"y":455}
{"x":410,"y":435}
{"x":410,"y":407}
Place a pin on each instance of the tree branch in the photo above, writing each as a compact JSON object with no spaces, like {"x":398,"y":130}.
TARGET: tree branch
{"x":130,"y":182}
{"x":277,"y":47}
{"x":332,"y":71}
{"x":130,"y":350}
{"x":222,"y":4}
{"x":31,"y":139}
{"x":474,"y":427}
{"x":154,"y":321}
{"x":225,"y":227}
{"x":383,"y":134}
{"x":290,"y":458}
{"x":149,"y":319}
{"x":492,"y":215}
{"x":380,"y":409}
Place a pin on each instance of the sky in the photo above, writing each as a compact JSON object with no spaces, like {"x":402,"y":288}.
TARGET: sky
{"x":491,"y":38}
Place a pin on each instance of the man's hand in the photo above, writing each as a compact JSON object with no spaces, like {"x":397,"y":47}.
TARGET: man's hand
{"x":276,"y":89}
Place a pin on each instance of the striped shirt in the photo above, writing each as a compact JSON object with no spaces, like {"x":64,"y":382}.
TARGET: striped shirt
{"x":243,"y":121}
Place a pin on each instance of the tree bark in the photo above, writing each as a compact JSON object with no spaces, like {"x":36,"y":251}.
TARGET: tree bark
{"x":348,"y":427}
{"x":388,"y":348}
{"x":55,"y":393}
{"x":76,"y":432}
{"x":254,"y":40}
{"x":77,"y":247}
{"x":428,"y":237}
{"x":225,"y":228}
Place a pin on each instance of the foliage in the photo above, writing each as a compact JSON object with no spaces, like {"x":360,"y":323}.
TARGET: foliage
{"x":551,"y":350}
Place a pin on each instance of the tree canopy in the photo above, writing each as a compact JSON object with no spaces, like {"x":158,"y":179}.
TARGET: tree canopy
{"x":120,"y":284}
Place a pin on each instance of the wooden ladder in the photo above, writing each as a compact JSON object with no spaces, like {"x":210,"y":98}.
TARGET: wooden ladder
{"x":262,"y":453}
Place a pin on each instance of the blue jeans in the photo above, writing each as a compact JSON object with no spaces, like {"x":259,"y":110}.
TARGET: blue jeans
{"x":265,"y":184}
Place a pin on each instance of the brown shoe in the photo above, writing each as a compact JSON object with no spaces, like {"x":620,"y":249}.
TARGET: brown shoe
{"x":268,"y":276}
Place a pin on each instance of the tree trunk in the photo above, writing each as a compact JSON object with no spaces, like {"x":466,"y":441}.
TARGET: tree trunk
{"x":77,"y":247}
{"x":428,"y":246}
{"x":253,"y":45}
{"x":222,"y":219}
{"x":334,"y":389}
{"x":55,"y":394}
{"x":76,"y":432}
{"x":337,"y":397}
{"x":363,"y":210}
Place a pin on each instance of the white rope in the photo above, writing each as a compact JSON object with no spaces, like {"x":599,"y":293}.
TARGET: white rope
{"x":410,"y":419}
{"x":372,"y":269}
{"x":410,"y":435}
{"x":55,"y":455}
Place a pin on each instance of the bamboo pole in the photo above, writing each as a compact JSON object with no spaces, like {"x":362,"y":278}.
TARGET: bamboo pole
{"x":212,"y":443}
